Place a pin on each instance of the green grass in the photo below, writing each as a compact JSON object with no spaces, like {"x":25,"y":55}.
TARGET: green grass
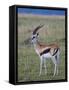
{"x":28,"y":61}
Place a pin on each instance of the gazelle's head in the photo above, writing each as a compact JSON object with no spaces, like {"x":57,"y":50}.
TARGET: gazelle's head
{"x":35,"y":34}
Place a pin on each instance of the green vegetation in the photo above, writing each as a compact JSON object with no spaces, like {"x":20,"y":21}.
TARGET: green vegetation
{"x":28,"y":61}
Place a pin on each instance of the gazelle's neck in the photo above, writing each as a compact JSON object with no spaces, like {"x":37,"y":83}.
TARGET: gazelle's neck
{"x":36,"y":47}
{"x":35,"y":44}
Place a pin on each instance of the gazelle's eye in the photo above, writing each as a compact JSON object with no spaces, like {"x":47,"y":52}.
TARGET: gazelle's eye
{"x":33,"y":38}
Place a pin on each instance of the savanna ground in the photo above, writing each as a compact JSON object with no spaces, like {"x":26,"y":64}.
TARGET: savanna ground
{"x":28,"y":61}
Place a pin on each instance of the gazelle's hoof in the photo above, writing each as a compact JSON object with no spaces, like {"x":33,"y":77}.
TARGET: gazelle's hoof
{"x":54,"y":75}
{"x":40,"y":74}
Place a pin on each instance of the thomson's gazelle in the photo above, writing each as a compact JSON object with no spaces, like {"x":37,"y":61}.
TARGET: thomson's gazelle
{"x":46,"y":51}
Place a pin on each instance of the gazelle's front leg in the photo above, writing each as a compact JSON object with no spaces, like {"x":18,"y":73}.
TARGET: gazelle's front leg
{"x":45,"y":66}
{"x":41,"y":62}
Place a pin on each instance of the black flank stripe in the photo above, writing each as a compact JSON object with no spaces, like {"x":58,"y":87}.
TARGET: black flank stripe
{"x":55,"y":52}
{"x":45,"y":51}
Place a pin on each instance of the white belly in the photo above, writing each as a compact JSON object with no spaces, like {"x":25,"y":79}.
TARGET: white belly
{"x":48,"y":55}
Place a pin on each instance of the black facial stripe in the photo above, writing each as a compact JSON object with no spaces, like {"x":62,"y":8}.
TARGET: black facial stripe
{"x":55,"y":52}
{"x":45,"y":51}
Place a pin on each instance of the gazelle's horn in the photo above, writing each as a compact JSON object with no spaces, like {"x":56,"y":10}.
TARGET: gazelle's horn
{"x":36,"y":29}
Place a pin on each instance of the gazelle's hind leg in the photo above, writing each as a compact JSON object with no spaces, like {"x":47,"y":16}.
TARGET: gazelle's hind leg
{"x":58,"y":60}
{"x":56,"y":57}
{"x":56,"y":66}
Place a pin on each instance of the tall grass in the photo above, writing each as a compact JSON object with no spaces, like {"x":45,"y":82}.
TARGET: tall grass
{"x":28,"y":61}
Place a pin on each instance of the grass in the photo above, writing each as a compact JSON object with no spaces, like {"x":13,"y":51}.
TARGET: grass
{"x":28,"y":61}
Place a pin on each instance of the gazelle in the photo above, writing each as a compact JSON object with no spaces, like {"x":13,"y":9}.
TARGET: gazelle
{"x":45,"y":51}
